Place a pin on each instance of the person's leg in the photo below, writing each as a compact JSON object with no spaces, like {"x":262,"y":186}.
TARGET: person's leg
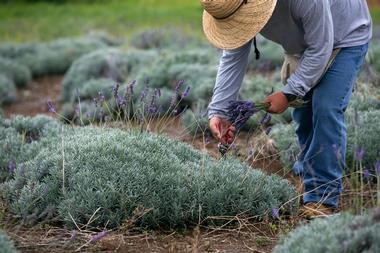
{"x":304,"y":120}
{"x":322,"y":170}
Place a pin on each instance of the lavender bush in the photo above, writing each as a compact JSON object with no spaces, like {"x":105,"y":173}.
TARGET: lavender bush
{"x":336,"y":234}
{"x":50,"y":58}
{"x":120,"y":171}
{"x":112,"y":64}
{"x":6,"y":245}
{"x":7,"y":90}
{"x":15,"y":71}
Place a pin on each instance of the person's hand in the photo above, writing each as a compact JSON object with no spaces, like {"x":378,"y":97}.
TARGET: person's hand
{"x":222,"y":130}
{"x":279,"y":103}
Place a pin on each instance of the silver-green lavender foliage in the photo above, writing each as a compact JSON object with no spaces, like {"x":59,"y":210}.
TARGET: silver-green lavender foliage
{"x":7,"y":90}
{"x":120,"y":171}
{"x":341,"y":233}
{"x":285,"y":140}
{"x":113,"y":64}
{"x":6,"y":244}
{"x":50,"y":58}
{"x":363,"y":131}
{"x":18,"y":140}
{"x":15,"y":71}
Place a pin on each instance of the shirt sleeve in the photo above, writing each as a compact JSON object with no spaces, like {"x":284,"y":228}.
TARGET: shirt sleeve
{"x":316,"y":20}
{"x":232,"y":68}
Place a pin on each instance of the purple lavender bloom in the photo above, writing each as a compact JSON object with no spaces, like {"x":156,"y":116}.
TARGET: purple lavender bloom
{"x":239,"y":112}
{"x":95,"y":100}
{"x":268,"y":130}
{"x":377,"y":167}
{"x":266,"y":119}
{"x":337,"y":152}
{"x":131,"y":88}
{"x":12,"y":166}
{"x":366,"y":174}
{"x":233,"y":146}
{"x":51,"y":107}
{"x":359,"y":154}
{"x":101,"y":97}
{"x":115,"y":90}
{"x":98,"y":236}
{"x":73,"y":236}
{"x":178,"y":86}
{"x":144,"y":94}
{"x":186,"y":92}
{"x":77,"y":110}
{"x":275,"y":213}
{"x":121,"y":101}
{"x":207,"y":140}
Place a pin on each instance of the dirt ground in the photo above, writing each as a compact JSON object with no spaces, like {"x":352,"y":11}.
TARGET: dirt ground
{"x":237,"y":236}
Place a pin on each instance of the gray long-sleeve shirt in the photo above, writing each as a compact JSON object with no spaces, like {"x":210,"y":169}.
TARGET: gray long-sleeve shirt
{"x":309,"y":28}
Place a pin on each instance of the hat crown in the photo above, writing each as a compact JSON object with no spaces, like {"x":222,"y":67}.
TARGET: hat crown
{"x":220,"y":9}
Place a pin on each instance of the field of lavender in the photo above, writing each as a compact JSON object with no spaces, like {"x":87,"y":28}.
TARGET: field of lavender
{"x":120,"y":158}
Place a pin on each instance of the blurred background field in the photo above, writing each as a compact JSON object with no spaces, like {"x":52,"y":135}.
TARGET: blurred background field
{"x":47,"y":20}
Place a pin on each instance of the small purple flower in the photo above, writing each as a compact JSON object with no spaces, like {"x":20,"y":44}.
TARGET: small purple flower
{"x":377,"y":167}
{"x":98,"y":236}
{"x":77,"y":110}
{"x":207,"y":140}
{"x":51,"y":107}
{"x":131,"y":87}
{"x":121,"y":101}
{"x":233,"y":146}
{"x":266,"y":119}
{"x":337,"y":152}
{"x":95,"y":100}
{"x":186,"y":92}
{"x":144,"y":94}
{"x":101,"y":97}
{"x":73,"y":236}
{"x":115,"y":90}
{"x":239,"y":112}
{"x":366,"y":174}
{"x":12,"y":166}
{"x":359,"y":154}
{"x":275,"y":213}
{"x":178,"y":86}
{"x":268,"y":130}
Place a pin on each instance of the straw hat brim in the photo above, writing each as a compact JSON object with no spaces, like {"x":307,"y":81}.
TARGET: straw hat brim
{"x":236,"y":30}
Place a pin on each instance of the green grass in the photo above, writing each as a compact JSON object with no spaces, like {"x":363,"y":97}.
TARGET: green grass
{"x":43,"y":21}
{"x":21,"y":22}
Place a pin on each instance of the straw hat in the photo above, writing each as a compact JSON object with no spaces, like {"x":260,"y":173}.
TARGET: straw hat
{"x":229,"y":24}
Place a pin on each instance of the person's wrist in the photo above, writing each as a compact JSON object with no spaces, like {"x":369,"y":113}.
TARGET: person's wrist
{"x":290,"y":97}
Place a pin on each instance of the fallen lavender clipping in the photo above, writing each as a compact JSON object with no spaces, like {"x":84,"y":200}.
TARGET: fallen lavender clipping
{"x":239,"y":113}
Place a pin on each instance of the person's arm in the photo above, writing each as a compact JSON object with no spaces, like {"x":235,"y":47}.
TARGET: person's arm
{"x":317,"y":23}
{"x":232,"y":68}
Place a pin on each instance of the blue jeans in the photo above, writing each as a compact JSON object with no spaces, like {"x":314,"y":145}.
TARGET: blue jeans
{"x":321,"y":129}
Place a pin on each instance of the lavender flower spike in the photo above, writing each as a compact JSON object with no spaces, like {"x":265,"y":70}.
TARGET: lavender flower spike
{"x":366,"y":174}
{"x":186,"y":92}
{"x":266,"y":119}
{"x":359,"y":154}
{"x":51,"y":107}
{"x":239,"y":112}
{"x":377,"y":167}
{"x":275,"y":213}
{"x":98,"y":236}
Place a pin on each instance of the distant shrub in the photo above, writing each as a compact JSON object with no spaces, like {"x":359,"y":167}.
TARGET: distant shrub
{"x":271,"y":57}
{"x":6,"y":245}
{"x":161,"y":38}
{"x":374,"y":56}
{"x":285,"y":140}
{"x":119,"y":172}
{"x":92,"y":87}
{"x":15,"y":71}
{"x":7,"y":90}
{"x":110,"y":63}
{"x":50,"y":58}
{"x":336,"y":234}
